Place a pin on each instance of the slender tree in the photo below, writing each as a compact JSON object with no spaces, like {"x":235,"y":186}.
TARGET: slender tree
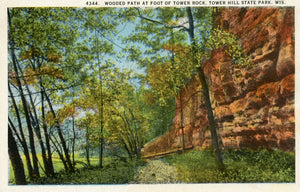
{"x":47,"y":55}
{"x":15,"y":159}
{"x":178,"y":24}
{"x":24,"y":103}
{"x":21,"y":132}
{"x":205,"y":90}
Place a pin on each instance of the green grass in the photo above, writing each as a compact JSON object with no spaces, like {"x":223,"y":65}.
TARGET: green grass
{"x":241,"y":166}
{"x":113,"y":172}
{"x":58,"y":165}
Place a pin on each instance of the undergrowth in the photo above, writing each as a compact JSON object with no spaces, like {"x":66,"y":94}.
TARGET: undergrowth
{"x":242,"y":166}
{"x":117,"y":172}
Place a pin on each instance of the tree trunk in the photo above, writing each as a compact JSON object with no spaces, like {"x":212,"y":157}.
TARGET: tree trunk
{"x":101,"y":111}
{"x":131,"y":136}
{"x":212,"y":122}
{"x":74,"y":138}
{"x":136,"y":135}
{"x":126,"y":138}
{"x":48,"y":170}
{"x":16,"y":160}
{"x":181,"y":122}
{"x":101,"y":147}
{"x":23,"y":140}
{"x":25,"y":107}
{"x":27,"y":117}
{"x":101,"y":125}
{"x":60,"y":154}
{"x":126,"y":147}
{"x":70,"y":167}
{"x":211,"y":119}
{"x":87,"y":148}
{"x":50,"y":167}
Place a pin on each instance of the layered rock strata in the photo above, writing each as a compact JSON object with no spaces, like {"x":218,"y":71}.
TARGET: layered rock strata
{"x":253,"y":105}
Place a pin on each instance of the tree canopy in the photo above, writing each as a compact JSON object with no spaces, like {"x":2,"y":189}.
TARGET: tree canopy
{"x":71,"y":90}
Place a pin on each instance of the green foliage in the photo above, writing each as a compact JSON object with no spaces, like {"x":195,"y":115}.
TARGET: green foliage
{"x":59,"y":168}
{"x":115,"y":171}
{"x":156,"y":171}
{"x":220,"y":38}
{"x":70,"y":55}
{"x":194,"y":167}
{"x":263,"y":165}
{"x":241,"y":166}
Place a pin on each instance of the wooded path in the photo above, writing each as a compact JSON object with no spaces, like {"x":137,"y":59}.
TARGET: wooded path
{"x":165,"y":153}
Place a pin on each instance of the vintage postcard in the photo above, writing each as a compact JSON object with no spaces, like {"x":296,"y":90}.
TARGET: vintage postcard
{"x":152,"y":95}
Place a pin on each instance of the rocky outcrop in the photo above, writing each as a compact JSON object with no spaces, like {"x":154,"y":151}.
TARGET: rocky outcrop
{"x":253,"y":105}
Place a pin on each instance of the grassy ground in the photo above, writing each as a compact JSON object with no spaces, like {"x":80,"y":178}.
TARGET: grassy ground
{"x":58,"y":166}
{"x":116,"y":172}
{"x":242,"y":166}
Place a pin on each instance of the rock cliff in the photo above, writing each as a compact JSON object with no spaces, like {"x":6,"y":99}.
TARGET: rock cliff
{"x":253,"y":105}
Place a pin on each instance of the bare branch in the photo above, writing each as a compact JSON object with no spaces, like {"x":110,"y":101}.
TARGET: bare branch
{"x":161,"y":23}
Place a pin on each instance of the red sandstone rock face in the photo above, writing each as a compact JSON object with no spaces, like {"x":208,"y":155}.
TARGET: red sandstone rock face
{"x":254,"y":106}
